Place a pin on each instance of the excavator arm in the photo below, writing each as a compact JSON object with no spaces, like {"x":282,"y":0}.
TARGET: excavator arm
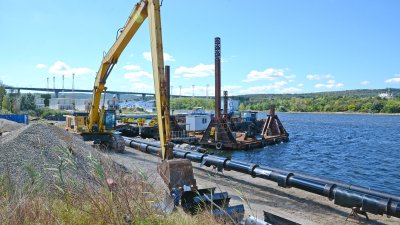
{"x":144,"y":9}
{"x":176,"y":173}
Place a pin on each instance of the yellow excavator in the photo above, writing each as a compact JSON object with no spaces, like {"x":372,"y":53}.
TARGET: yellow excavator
{"x":99,"y":124}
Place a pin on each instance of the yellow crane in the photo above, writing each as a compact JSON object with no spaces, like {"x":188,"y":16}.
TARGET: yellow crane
{"x":99,"y":123}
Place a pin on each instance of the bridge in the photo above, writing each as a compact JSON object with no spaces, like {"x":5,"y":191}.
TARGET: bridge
{"x":57,"y":91}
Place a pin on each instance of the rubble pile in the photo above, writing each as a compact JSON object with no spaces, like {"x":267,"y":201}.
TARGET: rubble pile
{"x":46,"y":154}
{"x":8,"y":125}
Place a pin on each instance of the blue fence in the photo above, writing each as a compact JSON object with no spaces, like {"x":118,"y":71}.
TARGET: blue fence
{"x":19,"y":118}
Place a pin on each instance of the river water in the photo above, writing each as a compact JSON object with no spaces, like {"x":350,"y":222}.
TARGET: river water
{"x":358,"y":149}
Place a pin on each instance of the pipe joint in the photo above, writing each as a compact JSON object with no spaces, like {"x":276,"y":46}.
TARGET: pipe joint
{"x":218,"y":162}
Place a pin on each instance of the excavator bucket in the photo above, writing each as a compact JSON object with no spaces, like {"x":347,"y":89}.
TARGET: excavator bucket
{"x":177,"y":174}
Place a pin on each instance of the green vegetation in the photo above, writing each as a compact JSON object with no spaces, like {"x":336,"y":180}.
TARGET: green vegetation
{"x":358,"y":101}
{"x":330,"y":103}
{"x":25,"y":103}
{"x":190,"y":103}
{"x":73,"y":201}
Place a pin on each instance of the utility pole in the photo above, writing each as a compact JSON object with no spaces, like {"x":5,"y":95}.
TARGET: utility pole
{"x":73,"y":88}
{"x":180,"y":90}
{"x":63,"y":85}
{"x":207,"y":91}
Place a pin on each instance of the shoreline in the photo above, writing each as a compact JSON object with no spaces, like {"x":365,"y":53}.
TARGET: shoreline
{"x":344,"y":113}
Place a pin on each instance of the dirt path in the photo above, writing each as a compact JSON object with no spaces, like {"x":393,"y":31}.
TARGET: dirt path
{"x":257,"y":195}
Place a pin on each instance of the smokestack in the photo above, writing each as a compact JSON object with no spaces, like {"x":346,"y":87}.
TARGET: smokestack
{"x":217,"y":78}
{"x":54,"y":82}
{"x":168,"y":84}
{"x":63,"y":82}
{"x":226,"y":102}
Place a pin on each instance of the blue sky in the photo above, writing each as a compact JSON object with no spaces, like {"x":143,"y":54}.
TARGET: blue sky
{"x":285,"y":46}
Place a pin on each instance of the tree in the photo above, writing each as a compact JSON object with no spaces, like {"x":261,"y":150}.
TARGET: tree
{"x":46,"y":98}
{"x":3,"y":93}
{"x":392,"y":106}
{"x":28,"y":102}
{"x":377,"y":106}
{"x":6,"y":103}
{"x":242,"y":107}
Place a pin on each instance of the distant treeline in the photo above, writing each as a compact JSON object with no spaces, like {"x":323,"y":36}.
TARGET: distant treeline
{"x":365,"y":101}
{"x":325,"y":104}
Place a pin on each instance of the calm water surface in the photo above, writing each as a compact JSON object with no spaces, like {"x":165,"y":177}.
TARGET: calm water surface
{"x":358,"y":149}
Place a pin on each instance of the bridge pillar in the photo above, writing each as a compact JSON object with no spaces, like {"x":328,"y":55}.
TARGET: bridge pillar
{"x":56,"y":93}
{"x":118,"y":96}
{"x":19,"y":91}
{"x":144,"y":96}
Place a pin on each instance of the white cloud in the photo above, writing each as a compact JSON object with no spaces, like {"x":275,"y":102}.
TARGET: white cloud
{"x":291,"y":76}
{"x":61,"y":68}
{"x":277,"y":87}
{"x":147,"y":56}
{"x":313,"y":77}
{"x":41,"y":66}
{"x":167,"y":57}
{"x":395,"y":79}
{"x":176,"y":76}
{"x":329,"y":84}
{"x":300,"y":85}
{"x":136,"y":76}
{"x":319,"y":77}
{"x":201,"y":70}
{"x":135,"y":81}
{"x":268,"y":74}
{"x":131,"y":67}
{"x":365,"y":82}
{"x":141,"y":87}
{"x":230,"y":88}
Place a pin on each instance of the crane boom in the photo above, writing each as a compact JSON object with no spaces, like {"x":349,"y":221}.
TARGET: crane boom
{"x":142,"y":10}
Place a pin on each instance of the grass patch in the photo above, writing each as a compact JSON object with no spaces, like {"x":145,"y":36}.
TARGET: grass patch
{"x":113,"y":197}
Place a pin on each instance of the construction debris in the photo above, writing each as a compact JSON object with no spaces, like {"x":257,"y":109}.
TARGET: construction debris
{"x":46,"y":155}
{"x":8,"y":125}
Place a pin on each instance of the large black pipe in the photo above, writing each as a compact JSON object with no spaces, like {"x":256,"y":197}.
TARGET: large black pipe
{"x":343,"y":194}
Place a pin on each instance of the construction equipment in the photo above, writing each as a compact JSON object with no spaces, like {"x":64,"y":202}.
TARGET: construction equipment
{"x":177,"y":173}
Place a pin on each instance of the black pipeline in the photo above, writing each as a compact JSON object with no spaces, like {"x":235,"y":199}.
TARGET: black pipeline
{"x":343,"y":194}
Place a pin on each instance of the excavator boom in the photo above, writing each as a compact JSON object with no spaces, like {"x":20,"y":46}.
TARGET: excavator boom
{"x":144,"y":9}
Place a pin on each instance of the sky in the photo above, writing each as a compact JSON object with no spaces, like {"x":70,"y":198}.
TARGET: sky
{"x":285,"y":46}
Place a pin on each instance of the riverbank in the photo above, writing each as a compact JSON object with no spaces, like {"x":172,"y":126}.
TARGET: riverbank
{"x":257,"y":195}
{"x":346,"y":113}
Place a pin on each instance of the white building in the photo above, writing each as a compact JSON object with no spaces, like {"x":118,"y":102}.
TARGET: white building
{"x":39,"y":102}
{"x":197,"y":122}
{"x":61,"y":103}
{"x":233,"y":105}
{"x":386,"y":95}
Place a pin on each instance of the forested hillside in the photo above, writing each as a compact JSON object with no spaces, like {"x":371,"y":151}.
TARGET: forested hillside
{"x":366,"y":101}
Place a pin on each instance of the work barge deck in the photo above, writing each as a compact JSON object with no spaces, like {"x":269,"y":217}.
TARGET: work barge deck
{"x":223,"y":132}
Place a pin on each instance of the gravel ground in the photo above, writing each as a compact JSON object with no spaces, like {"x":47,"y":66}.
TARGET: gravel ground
{"x":38,"y":152}
{"x":7,"y":126}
